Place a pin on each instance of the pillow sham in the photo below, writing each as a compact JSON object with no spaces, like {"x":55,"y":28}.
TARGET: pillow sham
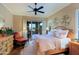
{"x":59,"y":33}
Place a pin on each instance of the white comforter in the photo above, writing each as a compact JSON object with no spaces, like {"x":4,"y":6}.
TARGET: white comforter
{"x":45,"y":44}
{"x":48,"y":42}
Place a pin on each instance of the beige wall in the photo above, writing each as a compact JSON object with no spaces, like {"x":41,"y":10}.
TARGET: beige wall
{"x":19,"y":22}
{"x":70,"y":11}
{"x":6,"y":15}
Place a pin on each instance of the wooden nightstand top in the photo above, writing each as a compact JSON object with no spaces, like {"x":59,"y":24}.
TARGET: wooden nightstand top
{"x":74,"y":42}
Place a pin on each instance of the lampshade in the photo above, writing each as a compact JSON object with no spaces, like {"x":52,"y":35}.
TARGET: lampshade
{"x":47,"y":28}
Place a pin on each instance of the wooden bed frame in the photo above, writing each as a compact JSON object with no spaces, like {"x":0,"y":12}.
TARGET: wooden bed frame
{"x":56,"y":51}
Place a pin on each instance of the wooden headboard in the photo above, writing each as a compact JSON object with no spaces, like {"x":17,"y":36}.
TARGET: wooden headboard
{"x":61,"y":27}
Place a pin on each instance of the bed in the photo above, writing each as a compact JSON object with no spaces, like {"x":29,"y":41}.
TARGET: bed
{"x":49,"y":45}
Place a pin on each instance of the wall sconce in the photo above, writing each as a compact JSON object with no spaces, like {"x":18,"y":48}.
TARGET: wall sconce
{"x":41,"y":24}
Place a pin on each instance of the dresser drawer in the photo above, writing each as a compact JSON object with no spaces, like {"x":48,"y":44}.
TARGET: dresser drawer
{"x":6,"y":45}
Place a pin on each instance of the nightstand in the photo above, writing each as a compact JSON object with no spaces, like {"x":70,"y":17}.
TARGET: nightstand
{"x":74,"y":48}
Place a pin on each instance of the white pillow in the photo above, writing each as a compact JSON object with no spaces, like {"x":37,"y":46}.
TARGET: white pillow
{"x":59,"y":33}
{"x":50,"y":33}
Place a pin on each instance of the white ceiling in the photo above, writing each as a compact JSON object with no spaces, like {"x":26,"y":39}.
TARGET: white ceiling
{"x":22,"y":8}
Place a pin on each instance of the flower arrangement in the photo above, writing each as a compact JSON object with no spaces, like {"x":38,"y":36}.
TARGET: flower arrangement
{"x":5,"y":31}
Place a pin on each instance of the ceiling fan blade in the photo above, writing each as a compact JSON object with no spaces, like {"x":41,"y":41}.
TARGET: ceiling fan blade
{"x":40,"y":8}
{"x":30,"y":7}
{"x":41,"y":11}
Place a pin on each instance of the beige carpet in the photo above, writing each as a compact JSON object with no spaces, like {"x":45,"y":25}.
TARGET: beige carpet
{"x":16,"y":51}
{"x":29,"y":50}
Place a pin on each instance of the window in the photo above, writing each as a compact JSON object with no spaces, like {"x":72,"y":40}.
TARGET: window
{"x":77,"y":24}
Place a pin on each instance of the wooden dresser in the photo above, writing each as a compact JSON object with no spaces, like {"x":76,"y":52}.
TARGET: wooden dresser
{"x":6,"y":45}
{"x":74,"y":48}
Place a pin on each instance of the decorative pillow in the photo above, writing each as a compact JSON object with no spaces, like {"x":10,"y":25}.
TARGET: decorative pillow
{"x":64,"y":33}
{"x":50,"y":33}
{"x":55,"y":33}
{"x":59,"y":33}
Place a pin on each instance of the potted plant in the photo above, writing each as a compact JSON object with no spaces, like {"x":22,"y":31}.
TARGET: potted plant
{"x":9,"y":31}
{"x":1,"y":32}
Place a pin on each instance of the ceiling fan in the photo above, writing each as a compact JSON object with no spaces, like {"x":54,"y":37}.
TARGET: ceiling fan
{"x":36,"y":9}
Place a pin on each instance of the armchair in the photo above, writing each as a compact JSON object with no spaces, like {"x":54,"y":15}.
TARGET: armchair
{"x":19,"y":40}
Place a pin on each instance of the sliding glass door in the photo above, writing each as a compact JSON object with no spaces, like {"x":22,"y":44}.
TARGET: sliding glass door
{"x":33,"y":28}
